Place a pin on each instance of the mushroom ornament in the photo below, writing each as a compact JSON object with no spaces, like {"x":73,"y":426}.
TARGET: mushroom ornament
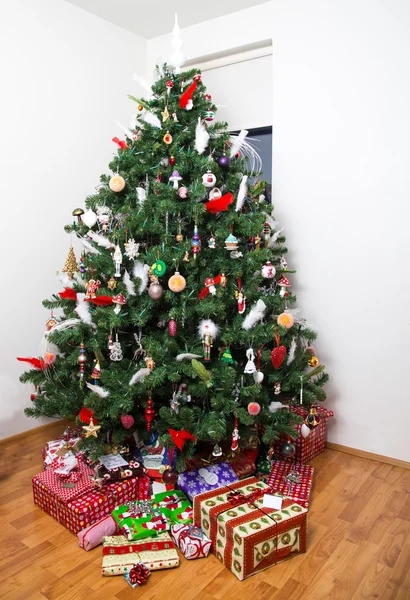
{"x":119,"y":300}
{"x":175,"y":178}
{"x":284,"y":283}
{"x":78,"y":212}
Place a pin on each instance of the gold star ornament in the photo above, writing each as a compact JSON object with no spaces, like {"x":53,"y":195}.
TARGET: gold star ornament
{"x":165,"y":114}
{"x":91,"y":429}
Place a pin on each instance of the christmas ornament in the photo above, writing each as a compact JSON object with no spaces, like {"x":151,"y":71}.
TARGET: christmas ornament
{"x":169,"y":85}
{"x":82,"y":359}
{"x":217,"y":451}
{"x":215,"y":194}
{"x":78,"y":212}
{"x":208,"y":97}
{"x":82,"y":267}
{"x":172,"y":327}
{"x":224,"y":161}
{"x":258,"y":240}
{"x":186,"y":257}
{"x":117,"y":258}
{"x":180,"y":437}
{"x":235,"y":436}
{"x":175,"y":177}
{"x":256,"y":314}
{"x":313,"y":361}
{"x":283,"y":263}
{"x":212,"y":242}
{"x":175,"y":403}
{"x":241,"y":300}
{"x":117,"y":183}
{"x":127,"y":421}
{"x":174,"y":116}
{"x":112,"y":284}
{"x":95,"y":375}
{"x":119,"y":300}
{"x":110,"y":342}
{"x":104,"y":215}
{"x":167,"y":138}
{"x":116,"y":350}
{"x":286,"y":320}
{"x":172,"y":161}
{"x":288,"y":449}
{"x":150,"y":363}
{"x":170,"y":476}
{"x":165,"y":114}
{"x":208,"y":331}
{"x":159,"y":268}
{"x":278,"y":354}
{"x":70,"y":265}
{"x":313,"y":418}
{"x":86,"y":415}
{"x":39,"y":363}
{"x":208,"y":179}
{"x":277,"y":388}
{"x":254,"y":409}
{"x":209,"y":115}
{"x":305,"y":430}
{"x":91,"y":429}
{"x":51,"y":322}
{"x":177,"y":283}
{"x":121,"y":143}
{"x":196,"y":242}
{"x":89,"y":218}
{"x":223,"y":280}
{"x":131,"y":249}
{"x":185,"y":101}
{"x":183,"y":192}
{"x":283,"y":283}
{"x":227,"y":357}
{"x":250,"y":365}
{"x":231,"y":242}
{"x":155,"y":290}
{"x":220,"y":204}
{"x":149,"y":414}
{"x":258,"y":376}
{"x":268,"y":270}
{"x":91,"y":288}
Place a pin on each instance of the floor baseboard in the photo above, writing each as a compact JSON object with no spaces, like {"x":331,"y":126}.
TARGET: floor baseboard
{"x":54,"y":428}
{"x":369,"y":455}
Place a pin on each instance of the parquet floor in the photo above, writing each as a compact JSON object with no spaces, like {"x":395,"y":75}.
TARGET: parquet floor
{"x":358,"y":543}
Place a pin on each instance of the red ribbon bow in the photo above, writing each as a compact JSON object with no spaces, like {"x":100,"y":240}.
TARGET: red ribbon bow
{"x":180,"y":437}
{"x":121,"y":143}
{"x":139,"y":574}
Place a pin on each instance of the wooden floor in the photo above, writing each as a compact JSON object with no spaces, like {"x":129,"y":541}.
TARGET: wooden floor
{"x":358,"y":543}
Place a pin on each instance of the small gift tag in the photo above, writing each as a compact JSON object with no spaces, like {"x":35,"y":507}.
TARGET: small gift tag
{"x":209,"y":477}
{"x":69,"y":484}
{"x":112,"y":461}
{"x":274,"y":502}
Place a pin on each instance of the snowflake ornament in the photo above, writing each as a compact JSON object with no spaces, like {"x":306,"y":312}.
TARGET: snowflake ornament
{"x":131,"y":249}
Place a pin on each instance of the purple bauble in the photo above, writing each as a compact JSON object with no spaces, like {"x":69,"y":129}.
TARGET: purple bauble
{"x":224,"y":161}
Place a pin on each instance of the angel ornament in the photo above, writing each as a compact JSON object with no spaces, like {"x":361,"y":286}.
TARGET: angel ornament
{"x":117,"y":258}
{"x":250,"y":365}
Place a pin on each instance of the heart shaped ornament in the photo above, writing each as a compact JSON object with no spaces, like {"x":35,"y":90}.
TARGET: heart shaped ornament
{"x":258,"y":376}
{"x":278,"y":356}
{"x":89,"y":218}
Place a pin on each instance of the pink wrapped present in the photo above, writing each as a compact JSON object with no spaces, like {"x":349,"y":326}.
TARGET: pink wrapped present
{"x":92,"y":536}
{"x":191,"y":540}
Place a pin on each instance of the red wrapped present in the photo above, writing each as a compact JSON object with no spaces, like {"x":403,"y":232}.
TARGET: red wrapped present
{"x":192,"y":541}
{"x":295,"y":485}
{"x":66,"y":487}
{"x":65,"y":442}
{"x":243,"y":463}
{"x":81,"y":511}
{"x":247,"y":535}
{"x":314,"y":444}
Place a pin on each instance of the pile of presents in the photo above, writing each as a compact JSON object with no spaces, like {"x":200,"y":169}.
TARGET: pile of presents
{"x":250,"y":511}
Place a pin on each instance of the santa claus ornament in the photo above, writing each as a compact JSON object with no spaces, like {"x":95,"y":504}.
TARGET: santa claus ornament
{"x":208,"y":332}
{"x":235,"y":436}
{"x":241,"y":300}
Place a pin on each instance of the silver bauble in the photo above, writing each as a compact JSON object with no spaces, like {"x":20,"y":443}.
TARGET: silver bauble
{"x":155,"y":291}
{"x":288,"y":450}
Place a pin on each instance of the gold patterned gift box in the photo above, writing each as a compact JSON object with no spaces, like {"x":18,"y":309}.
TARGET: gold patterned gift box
{"x":246,"y":536}
{"x":120,"y":555}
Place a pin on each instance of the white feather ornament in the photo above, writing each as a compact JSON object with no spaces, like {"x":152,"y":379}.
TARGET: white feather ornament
{"x":88,"y":247}
{"x":201,"y":137}
{"x":127,"y":132}
{"x":256,"y":314}
{"x":274,"y":406}
{"x":64,"y":325}
{"x":65,"y":280}
{"x":291,"y":352}
{"x":237,"y":141}
{"x":206,"y":326}
{"x":83,"y":309}
{"x":187,"y":356}
{"x":271,"y":221}
{"x":143,"y":82}
{"x":100,"y":391}
{"x":47,"y":347}
{"x":141,"y":194}
{"x":139,"y":376}
{"x":248,"y":152}
{"x":274,"y":238}
{"x":243,"y":190}
{"x":141,"y":271}
{"x":100,"y":240}
{"x":80,"y":282}
{"x":150,"y":118}
{"x":129,"y":284}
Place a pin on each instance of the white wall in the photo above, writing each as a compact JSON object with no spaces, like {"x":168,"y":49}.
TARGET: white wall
{"x":66,"y":75}
{"x":341,"y":122}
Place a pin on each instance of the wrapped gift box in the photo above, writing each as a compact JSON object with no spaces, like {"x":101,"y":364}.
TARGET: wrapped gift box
{"x":139,"y":520}
{"x":120,"y":555}
{"x":299,"y":492}
{"x":192,"y":541}
{"x":247,"y":537}
{"x":79,"y":512}
{"x":206,"y":478}
{"x":314,"y":444}
{"x":66,"y":488}
{"x":69,"y":438}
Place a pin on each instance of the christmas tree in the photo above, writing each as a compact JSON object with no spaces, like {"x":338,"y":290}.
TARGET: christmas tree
{"x":179,"y":318}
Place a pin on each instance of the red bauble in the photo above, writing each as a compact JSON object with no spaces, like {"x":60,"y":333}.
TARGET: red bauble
{"x":86,"y":414}
{"x":33,"y":397}
{"x":149,"y":414}
{"x":278,"y":356}
{"x":170,"y":476}
{"x":172,"y":161}
{"x":172,"y":327}
{"x":127,"y":421}
{"x":254,"y":408}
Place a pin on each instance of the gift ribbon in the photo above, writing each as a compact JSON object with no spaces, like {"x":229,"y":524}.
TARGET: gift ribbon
{"x":139,"y":574}
{"x":139,"y":547}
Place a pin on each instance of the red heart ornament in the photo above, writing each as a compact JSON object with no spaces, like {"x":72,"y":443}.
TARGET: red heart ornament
{"x":278,"y":356}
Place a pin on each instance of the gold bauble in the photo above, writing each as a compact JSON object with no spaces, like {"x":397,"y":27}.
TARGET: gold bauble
{"x":140,"y":107}
{"x":313,"y":361}
{"x":167,"y":138}
{"x":117,"y":183}
{"x":112,"y":284}
{"x":179,"y":237}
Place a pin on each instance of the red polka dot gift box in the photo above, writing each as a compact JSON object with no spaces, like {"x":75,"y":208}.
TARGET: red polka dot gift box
{"x":294,"y":483}
{"x":309,"y":447}
{"x":83,"y":506}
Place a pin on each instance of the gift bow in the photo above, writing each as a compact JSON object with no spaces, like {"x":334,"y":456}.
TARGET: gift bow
{"x":139,"y":574}
{"x":235,"y":498}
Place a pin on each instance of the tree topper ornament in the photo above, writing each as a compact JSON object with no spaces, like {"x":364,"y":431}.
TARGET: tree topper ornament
{"x":208,"y":331}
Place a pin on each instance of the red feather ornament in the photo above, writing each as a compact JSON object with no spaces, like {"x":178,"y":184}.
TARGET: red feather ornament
{"x":180,"y":437}
{"x":121,"y":143}
{"x":86,"y":414}
{"x":68,"y":294}
{"x":39,"y":363}
{"x":100,"y":300}
{"x":219,"y":205}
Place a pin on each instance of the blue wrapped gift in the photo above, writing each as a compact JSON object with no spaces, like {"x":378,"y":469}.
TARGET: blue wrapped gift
{"x":205,"y":479}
